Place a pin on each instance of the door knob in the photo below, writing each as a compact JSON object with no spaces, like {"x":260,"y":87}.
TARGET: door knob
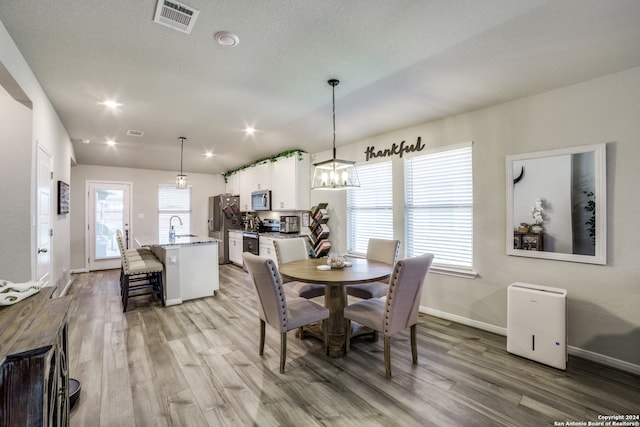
{"x":42,"y":250}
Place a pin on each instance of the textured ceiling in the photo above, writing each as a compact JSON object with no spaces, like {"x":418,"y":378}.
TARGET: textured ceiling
{"x":400,"y":63}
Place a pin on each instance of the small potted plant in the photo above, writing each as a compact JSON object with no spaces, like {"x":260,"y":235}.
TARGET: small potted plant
{"x":537,"y":213}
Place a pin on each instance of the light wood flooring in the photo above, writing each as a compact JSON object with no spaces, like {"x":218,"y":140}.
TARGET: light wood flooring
{"x":197,"y":364}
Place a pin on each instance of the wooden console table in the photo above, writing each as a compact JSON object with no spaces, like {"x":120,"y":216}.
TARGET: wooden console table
{"x":34,"y":367}
{"x":528,"y":241}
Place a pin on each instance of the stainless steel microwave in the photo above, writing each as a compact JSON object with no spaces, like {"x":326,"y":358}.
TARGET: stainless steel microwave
{"x":261,"y":200}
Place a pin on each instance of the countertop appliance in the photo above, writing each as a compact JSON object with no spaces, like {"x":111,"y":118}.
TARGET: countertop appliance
{"x":261,"y":200}
{"x":269,"y":225}
{"x":224,"y":215}
{"x":289,"y":224}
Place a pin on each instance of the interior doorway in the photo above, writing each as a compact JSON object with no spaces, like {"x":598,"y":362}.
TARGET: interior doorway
{"x":43,"y":209}
{"x":108,"y":210}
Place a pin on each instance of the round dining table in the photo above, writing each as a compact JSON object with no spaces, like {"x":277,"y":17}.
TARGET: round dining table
{"x":335,"y":281}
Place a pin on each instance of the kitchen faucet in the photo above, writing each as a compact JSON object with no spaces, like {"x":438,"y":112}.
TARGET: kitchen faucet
{"x":172,"y":231}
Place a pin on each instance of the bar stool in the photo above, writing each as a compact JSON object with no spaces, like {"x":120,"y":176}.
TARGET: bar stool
{"x":132,"y":255}
{"x":141,"y":277}
{"x":141,"y":273}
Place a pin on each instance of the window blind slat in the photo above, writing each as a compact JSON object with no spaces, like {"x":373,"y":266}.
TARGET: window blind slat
{"x":439,"y":206}
{"x":174,"y":201}
{"x":370,"y":207}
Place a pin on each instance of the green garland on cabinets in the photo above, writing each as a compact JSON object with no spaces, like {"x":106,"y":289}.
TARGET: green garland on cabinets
{"x":271,"y":159}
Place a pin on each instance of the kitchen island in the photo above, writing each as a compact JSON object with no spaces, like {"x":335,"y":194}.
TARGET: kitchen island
{"x":190,"y":266}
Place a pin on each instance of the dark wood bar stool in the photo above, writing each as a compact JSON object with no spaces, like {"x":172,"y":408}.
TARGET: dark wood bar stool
{"x":141,"y":273}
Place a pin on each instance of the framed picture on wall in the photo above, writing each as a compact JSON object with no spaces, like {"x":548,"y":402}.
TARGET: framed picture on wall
{"x":63,"y":198}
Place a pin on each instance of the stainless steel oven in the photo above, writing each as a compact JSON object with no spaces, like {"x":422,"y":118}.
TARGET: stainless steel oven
{"x":250,"y":242}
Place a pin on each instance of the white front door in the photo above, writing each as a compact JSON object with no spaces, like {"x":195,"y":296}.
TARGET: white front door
{"x":108,"y":211}
{"x":43,"y":209}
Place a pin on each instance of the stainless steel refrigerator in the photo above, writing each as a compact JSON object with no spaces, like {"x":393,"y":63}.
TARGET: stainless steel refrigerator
{"x":224,"y":215}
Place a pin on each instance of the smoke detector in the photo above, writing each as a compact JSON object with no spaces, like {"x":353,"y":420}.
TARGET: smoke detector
{"x":176,"y":15}
{"x":137,"y":133}
{"x":226,"y":38}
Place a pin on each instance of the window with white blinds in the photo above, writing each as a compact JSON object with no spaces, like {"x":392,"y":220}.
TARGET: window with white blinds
{"x":370,"y":207}
{"x":439,"y":207}
{"x":174,"y":201}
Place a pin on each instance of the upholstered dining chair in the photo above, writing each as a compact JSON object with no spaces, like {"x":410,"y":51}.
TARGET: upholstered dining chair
{"x":381,"y":250}
{"x":400,"y":309}
{"x":274,"y":308}
{"x":294,"y":249}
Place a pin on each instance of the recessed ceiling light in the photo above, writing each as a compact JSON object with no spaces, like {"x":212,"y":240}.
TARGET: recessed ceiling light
{"x":209,"y":154}
{"x":226,"y":38}
{"x":85,"y":141}
{"x":111,"y":104}
{"x":249,"y":130}
{"x":111,"y":142}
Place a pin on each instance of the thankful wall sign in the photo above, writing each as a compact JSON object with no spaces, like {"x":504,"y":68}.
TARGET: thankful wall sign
{"x":394,"y":150}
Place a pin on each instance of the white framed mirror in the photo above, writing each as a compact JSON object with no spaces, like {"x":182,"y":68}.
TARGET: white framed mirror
{"x":557,"y":204}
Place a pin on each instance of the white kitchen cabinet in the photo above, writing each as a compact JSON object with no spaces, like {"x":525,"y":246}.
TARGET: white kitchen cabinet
{"x":235,"y":247}
{"x":253,"y":179}
{"x":262,"y":177}
{"x":267,"y":249}
{"x":245,"y":181}
{"x":290,"y":185}
{"x":232,"y":186}
{"x":190,"y":269}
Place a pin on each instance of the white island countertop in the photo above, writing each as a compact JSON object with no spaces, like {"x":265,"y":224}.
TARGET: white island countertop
{"x":190,"y":265}
{"x":180,"y":240}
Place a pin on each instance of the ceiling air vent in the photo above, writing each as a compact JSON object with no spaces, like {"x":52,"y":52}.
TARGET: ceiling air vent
{"x":137,"y":133}
{"x":176,"y":15}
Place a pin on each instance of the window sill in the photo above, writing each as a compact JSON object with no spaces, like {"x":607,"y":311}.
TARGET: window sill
{"x":453,"y":271}
{"x":465,"y":273}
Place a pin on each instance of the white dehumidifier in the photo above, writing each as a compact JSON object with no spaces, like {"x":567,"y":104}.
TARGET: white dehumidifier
{"x":537,"y":323}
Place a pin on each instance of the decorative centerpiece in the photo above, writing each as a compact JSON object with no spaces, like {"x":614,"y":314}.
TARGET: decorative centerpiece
{"x":537,"y":213}
{"x":335,"y":260}
{"x":11,"y":293}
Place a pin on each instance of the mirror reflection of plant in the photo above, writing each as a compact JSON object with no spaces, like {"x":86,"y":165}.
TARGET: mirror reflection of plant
{"x":537,"y":212}
{"x":591,"y":222}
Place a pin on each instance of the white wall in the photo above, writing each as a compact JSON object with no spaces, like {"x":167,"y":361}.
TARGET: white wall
{"x":15,"y":149}
{"x":145,"y":201}
{"x":47,"y":130}
{"x":603,"y":300}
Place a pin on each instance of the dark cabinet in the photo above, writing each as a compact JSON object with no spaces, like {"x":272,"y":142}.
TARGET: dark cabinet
{"x":34,"y":370}
{"x":528,"y":241}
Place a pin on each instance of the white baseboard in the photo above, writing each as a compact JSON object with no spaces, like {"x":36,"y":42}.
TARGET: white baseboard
{"x":464,"y":320}
{"x":174,"y":301}
{"x":66,"y":288}
{"x":79,"y":270}
{"x":574,"y":351}
{"x":605,"y":360}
